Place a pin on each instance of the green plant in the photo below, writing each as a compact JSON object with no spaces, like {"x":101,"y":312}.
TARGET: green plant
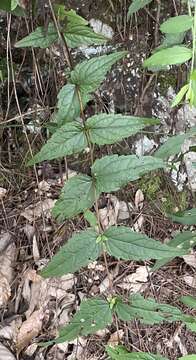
{"x":73,"y":134}
{"x":172,"y":52}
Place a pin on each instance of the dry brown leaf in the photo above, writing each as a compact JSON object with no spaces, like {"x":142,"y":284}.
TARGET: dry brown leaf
{"x":116,"y":338}
{"x":138,"y":224}
{"x":108,"y":215}
{"x":38,"y":291}
{"x":5,"y":354}
{"x":190,"y":259}
{"x":33,"y":212}
{"x":190,"y":281}
{"x":125,"y":210}
{"x":106,"y":282}
{"x":36,"y":254}
{"x":139,"y":199}
{"x":2,"y":193}
{"x":29,"y":330}
{"x":6,"y":273}
{"x":29,"y":231}
{"x":43,"y":186}
{"x":5,"y":240}
{"x":136,"y":281}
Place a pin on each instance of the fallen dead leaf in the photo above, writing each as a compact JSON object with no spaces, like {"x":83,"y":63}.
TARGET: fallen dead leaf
{"x":33,"y":212}
{"x":190,"y":259}
{"x":5,"y":354}
{"x":190,"y":281}
{"x":108,"y":215}
{"x":138,"y":224}
{"x":106,"y":282}
{"x":137,"y":281}
{"x":116,"y":338}
{"x":125,"y":210}
{"x":43,"y":186}
{"x":29,"y":330}
{"x":70,"y":173}
{"x":3,"y":192}
{"x":139,"y":199}
{"x":29,"y":231}
{"x":36,"y":254}
{"x":7,"y":259}
{"x":5,"y":240}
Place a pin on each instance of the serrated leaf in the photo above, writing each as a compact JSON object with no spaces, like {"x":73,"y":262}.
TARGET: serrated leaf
{"x":79,"y":251}
{"x":91,"y":218}
{"x":76,"y":196}
{"x":39,"y":38}
{"x":120,"y":353}
{"x":170,"y":56}
{"x":70,"y":15}
{"x":68,"y":105}
{"x":189,"y":301}
{"x":137,"y":5}
{"x":147,"y":311}
{"x":14,"y":4}
{"x":78,"y":35}
{"x":185,"y":240}
{"x":177,"y":24}
{"x":94,"y":315}
{"x":109,"y":128}
{"x":187,"y":217}
{"x":89,"y":74}
{"x":173,"y":145}
{"x":123,"y":243}
{"x":68,"y":139}
{"x":178,"y":98}
{"x":113,"y":171}
{"x":9,"y":5}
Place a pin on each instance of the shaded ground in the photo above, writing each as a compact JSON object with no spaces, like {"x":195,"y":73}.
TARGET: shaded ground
{"x":127,"y":89}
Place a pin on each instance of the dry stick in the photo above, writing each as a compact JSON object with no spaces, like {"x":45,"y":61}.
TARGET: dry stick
{"x":157,"y":22}
{"x":68,"y":58}
{"x":21,"y":117}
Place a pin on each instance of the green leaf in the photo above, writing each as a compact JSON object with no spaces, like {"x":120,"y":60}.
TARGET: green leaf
{"x":9,"y":5}
{"x":91,"y":218}
{"x":78,"y":35}
{"x":172,"y":39}
{"x":180,"y":95}
{"x":113,"y":171}
{"x":68,"y":139}
{"x":137,"y":5}
{"x":187,"y":217}
{"x":79,"y":251}
{"x":14,"y":4}
{"x":123,"y":243}
{"x":120,"y":353}
{"x":188,"y":357}
{"x":76,"y":196}
{"x":173,"y":145}
{"x":109,"y":128}
{"x":190,"y":301}
{"x":170,"y":56}
{"x":177,"y":24}
{"x":147,"y":311}
{"x":89,"y":74}
{"x":94,"y":315}
{"x":69,"y":103}
{"x":70,"y":15}
{"x":185,"y":241}
{"x":39,"y":38}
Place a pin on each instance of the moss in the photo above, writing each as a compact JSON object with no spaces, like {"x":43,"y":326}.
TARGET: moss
{"x":150,"y":185}
{"x":174,"y":202}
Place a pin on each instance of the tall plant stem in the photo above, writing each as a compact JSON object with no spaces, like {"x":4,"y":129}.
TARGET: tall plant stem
{"x":68,"y":59}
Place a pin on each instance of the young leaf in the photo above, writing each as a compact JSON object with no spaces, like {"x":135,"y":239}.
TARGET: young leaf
{"x":94,"y":314}
{"x":89,"y":74}
{"x":77,"y":35}
{"x":147,"y":311}
{"x":76,"y":196}
{"x":120,"y":353}
{"x":68,"y":139}
{"x":187,"y":217}
{"x":109,"y":128}
{"x":39,"y":38}
{"x":180,"y":95}
{"x":113,"y":171}
{"x":123,"y":243}
{"x":173,"y":145}
{"x":177,"y":24}
{"x":170,"y":56}
{"x":79,"y":251}
{"x":185,"y":240}
{"x":190,"y":301}
{"x":137,"y":5}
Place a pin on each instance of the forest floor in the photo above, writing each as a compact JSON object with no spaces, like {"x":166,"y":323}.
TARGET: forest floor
{"x":29,"y":235}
